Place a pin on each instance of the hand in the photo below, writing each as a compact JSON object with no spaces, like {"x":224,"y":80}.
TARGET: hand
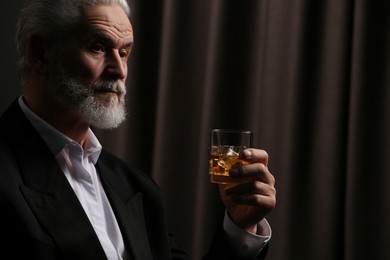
{"x":249,"y":202}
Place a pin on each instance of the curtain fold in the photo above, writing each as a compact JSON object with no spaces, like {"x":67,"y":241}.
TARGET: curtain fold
{"x":368,"y":167}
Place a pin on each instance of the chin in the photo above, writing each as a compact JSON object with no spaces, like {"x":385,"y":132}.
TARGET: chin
{"x":103,"y":113}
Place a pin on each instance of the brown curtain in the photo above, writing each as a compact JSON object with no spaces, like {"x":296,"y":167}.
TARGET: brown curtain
{"x":310,"y":78}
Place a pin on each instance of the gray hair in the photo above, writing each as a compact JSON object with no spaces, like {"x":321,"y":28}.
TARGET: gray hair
{"x":52,"y":19}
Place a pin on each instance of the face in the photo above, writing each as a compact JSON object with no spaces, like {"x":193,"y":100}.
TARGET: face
{"x":89,"y":77}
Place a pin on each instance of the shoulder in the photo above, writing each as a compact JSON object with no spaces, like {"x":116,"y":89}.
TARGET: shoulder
{"x":133,"y":180}
{"x":130,"y":173}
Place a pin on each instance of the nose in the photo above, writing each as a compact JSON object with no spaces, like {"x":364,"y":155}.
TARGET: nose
{"x":116,"y":66}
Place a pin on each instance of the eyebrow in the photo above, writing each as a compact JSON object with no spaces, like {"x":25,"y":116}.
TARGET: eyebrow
{"x":100,"y":35}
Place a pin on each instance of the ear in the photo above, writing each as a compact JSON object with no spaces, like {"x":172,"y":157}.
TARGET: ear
{"x":38,"y":53}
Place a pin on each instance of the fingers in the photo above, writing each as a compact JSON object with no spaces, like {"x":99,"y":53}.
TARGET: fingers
{"x":262,"y":186}
{"x":257,"y":168}
{"x":255,"y":155}
{"x":250,"y":200}
{"x":253,"y":193}
{"x":259,"y":188}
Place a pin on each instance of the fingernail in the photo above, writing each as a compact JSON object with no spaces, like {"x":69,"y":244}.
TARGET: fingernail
{"x":247,"y":154}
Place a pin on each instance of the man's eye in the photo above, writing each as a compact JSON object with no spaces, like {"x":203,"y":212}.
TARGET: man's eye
{"x":97,"y":48}
{"x":124,"y":53}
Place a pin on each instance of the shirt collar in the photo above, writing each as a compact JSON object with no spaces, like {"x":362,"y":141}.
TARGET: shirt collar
{"x":56,"y":140}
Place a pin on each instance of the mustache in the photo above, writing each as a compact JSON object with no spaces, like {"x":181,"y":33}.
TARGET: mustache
{"x":109,"y":85}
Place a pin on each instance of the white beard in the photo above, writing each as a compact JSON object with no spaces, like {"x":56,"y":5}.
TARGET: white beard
{"x":72,"y":93}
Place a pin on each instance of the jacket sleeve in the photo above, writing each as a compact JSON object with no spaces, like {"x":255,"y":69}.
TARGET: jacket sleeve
{"x":220,"y":250}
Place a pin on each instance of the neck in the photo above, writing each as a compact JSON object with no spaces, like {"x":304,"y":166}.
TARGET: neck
{"x":61,"y":118}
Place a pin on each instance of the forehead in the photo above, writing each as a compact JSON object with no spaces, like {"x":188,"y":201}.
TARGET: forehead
{"x":111,"y":19}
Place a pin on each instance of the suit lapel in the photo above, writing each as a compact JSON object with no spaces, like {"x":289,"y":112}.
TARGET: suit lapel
{"x":50,"y":195}
{"x":63,"y":217}
{"x":128,"y":208}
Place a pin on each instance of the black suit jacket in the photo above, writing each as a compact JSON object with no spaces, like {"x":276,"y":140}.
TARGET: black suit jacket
{"x":41,"y":217}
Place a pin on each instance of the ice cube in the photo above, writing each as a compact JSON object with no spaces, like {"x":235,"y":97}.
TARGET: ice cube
{"x":228,"y":159}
